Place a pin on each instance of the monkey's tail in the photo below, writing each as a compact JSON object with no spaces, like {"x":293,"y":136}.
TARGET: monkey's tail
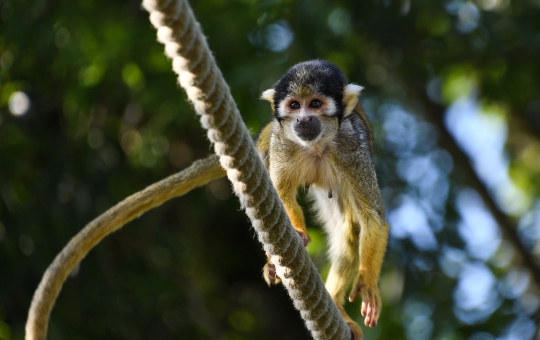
{"x":199,"y":173}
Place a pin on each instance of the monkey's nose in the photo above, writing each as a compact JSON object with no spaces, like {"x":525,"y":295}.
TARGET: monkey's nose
{"x":307,"y":127}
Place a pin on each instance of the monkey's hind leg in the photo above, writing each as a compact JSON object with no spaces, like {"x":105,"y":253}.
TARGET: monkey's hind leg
{"x":373,"y":239}
{"x":342,"y":271}
{"x":344,"y":258}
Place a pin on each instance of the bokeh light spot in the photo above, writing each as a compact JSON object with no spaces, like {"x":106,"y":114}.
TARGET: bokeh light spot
{"x":19,"y":103}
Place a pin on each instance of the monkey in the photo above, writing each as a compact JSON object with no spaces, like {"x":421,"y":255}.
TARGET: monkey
{"x":319,"y":139}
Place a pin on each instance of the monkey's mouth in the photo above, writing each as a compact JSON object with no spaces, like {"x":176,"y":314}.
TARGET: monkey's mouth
{"x":307,"y":128}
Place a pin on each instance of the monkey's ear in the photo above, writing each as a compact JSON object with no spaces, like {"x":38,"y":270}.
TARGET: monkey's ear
{"x":350,"y":97}
{"x":269,"y":95}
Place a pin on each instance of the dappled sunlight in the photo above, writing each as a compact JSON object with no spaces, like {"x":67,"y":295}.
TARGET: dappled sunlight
{"x":477,"y":227}
{"x":475,"y":297}
{"x":19,"y":103}
{"x":483,"y":136}
{"x":91,"y":112}
{"x":417,"y":312}
{"x":452,"y":261}
{"x":522,"y":328}
{"x":409,"y":220}
{"x":275,"y":37}
{"x":418,"y":213}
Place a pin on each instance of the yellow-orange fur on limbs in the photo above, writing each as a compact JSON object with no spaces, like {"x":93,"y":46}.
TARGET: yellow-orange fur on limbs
{"x":320,"y":139}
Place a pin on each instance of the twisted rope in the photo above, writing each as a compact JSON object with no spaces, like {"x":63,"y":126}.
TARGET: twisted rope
{"x":198,"y":74}
{"x":199,"y":173}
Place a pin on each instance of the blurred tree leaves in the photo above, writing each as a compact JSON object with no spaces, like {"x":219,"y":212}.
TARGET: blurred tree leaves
{"x":90,"y":112}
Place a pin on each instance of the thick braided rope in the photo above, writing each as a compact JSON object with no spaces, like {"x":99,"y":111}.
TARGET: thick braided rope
{"x":198,"y":74}
{"x":199,"y":173}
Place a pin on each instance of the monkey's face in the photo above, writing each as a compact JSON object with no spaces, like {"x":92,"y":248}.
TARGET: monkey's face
{"x":308,"y":119}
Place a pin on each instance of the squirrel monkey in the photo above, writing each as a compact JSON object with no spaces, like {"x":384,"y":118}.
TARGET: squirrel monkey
{"x":320,"y":139}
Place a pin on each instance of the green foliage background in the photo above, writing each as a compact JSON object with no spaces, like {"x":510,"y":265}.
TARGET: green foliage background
{"x":107,"y":118}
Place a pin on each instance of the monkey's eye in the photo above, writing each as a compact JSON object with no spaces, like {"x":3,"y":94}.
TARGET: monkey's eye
{"x":315,"y":104}
{"x":294,"y":105}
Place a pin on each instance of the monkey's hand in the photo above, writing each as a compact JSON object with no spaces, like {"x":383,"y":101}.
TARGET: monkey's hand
{"x":371,"y":299}
{"x":269,"y":269}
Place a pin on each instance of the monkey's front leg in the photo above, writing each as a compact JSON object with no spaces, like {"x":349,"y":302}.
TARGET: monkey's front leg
{"x":294,"y":211}
{"x":373,"y":239}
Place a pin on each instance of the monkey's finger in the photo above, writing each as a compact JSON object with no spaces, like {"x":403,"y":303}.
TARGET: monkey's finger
{"x":372,"y":316}
{"x":354,"y":293}
{"x":369,"y":315}
{"x":369,"y":320}
{"x":363,"y":311}
{"x":376,"y":318}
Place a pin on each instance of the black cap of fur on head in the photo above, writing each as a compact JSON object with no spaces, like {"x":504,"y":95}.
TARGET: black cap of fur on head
{"x":312,"y":77}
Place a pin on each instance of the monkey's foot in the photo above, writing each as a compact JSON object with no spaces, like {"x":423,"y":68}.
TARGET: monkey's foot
{"x":305,"y":237}
{"x":269,"y":274}
{"x":356,"y":331}
{"x":269,"y":269}
{"x":371,"y":300}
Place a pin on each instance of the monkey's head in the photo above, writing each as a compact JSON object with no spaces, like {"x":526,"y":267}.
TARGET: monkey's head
{"x":310,"y":101}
